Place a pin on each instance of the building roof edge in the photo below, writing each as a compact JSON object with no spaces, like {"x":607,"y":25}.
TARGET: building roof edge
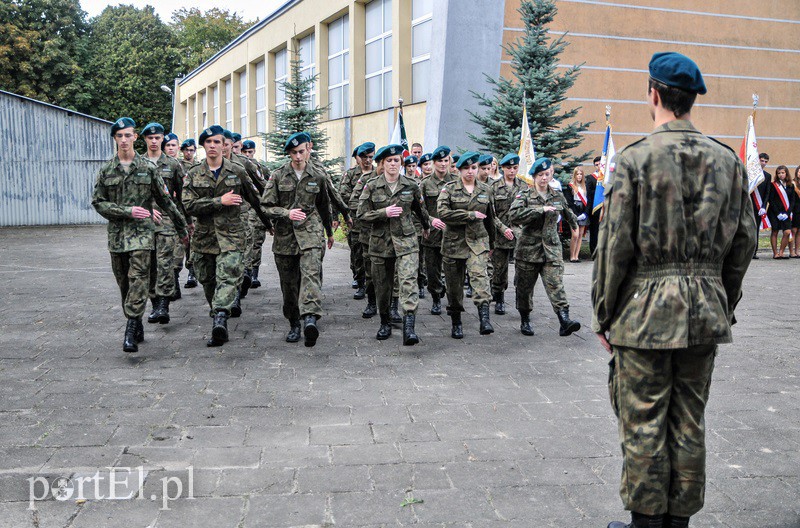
{"x":55,"y":107}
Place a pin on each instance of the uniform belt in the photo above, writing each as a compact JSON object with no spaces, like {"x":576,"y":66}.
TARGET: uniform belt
{"x":708,"y":269}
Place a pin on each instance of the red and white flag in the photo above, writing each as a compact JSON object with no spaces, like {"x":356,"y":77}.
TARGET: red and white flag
{"x":748,"y":153}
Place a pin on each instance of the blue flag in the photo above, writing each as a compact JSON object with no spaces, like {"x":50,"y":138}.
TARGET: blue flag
{"x":606,"y":169}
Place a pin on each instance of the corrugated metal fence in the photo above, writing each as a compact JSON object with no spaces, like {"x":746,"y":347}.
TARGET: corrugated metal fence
{"x":49,"y":157}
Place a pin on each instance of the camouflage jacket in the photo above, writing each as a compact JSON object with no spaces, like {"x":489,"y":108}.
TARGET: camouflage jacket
{"x":219,"y":227}
{"x":285,"y":192}
{"x":431,"y":188}
{"x":538,"y":239}
{"x":364,"y":228}
{"x":348,"y":184}
{"x":503,"y":195}
{"x":392,"y":237}
{"x":465,"y":233}
{"x":675,"y":242}
{"x":338,"y":205}
{"x":171,"y":172}
{"x":116,"y":193}
{"x":187,"y":165}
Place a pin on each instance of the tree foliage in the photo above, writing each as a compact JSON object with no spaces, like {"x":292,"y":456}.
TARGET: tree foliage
{"x":200,"y":35}
{"x":537,"y":80}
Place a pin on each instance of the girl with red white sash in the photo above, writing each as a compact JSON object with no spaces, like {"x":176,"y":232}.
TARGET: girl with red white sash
{"x":794,"y":246}
{"x":577,"y":199}
{"x":780,"y":202}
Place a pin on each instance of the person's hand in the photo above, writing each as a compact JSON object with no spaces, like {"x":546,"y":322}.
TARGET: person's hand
{"x":350,"y":223}
{"x":229,"y":198}
{"x":437,"y":224}
{"x":156,"y":217}
{"x":479,"y":215}
{"x":604,"y":341}
{"x":190,"y":229}
{"x":508,"y":233}
{"x":425,"y":233}
{"x":271,"y":231}
{"x":762,"y":212}
{"x":549,"y":209}
{"x":139,"y":212}
{"x":185,"y":240}
{"x":783,"y":216}
{"x":335,"y":225}
{"x":582,"y":217}
{"x":393,"y":211}
{"x":330,"y":242}
{"x":297,"y":215}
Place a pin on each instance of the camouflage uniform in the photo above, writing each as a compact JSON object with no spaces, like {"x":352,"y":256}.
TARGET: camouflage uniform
{"x":162,"y":261}
{"x":393,"y":243}
{"x":538,"y":250}
{"x":259,"y":229}
{"x":503,"y":195}
{"x":218,"y":243}
{"x":249,"y":215}
{"x":130,"y":240}
{"x":298,"y":246}
{"x":182,"y":251}
{"x":431,"y":188}
{"x":364,"y":235}
{"x":673,"y":249}
{"x":422,"y":279}
{"x":466,"y":241}
{"x":346,"y":187}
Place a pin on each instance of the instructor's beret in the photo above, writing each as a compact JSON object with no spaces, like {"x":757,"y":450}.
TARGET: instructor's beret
{"x":677,"y":71}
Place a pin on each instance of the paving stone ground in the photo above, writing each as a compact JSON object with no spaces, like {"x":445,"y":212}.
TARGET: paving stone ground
{"x":495,"y":431}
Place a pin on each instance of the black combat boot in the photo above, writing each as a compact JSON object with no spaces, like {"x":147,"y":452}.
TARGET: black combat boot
{"x":177,"y":295}
{"x":310,"y":330}
{"x":639,"y":520}
{"x":294,"y":333}
{"x":236,"y":309}
{"x":129,"y":341}
{"x":525,"y":323}
{"x":456,"y":332}
{"x":247,"y":281}
{"x":568,"y":326}
{"x":671,"y":521}
{"x":385,"y":330}
{"x":436,"y":307}
{"x":409,"y":335}
{"x":139,"y":331}
{"x":354,"y":284}
{"x":361,"y":292}
{"x":421,"y":292}
{"x":468,"y":291}
{"x":254,"y":282}
{"x":499,"y":304}
{"x":162,"y":311}
{"x":153,"y":317}
{"x":486,"y":326}
{"x":372,"y":307}
{"x":219,"y":329}
{"x":394,"y":314}
{"x":191,"y":280}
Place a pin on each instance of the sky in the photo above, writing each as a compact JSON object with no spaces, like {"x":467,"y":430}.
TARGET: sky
{"x":247,"y":10}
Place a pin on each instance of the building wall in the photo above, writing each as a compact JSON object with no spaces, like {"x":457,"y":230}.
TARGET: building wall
{"x":49,"y":163}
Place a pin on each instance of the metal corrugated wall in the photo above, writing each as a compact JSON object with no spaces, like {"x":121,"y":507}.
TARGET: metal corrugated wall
{"x":48,"y":161}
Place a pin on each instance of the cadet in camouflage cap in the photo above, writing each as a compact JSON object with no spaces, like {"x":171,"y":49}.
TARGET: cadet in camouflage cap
{"x":674,"y":246}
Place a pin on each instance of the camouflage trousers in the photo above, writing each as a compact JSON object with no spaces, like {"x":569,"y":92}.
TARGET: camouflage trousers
{"x":400,"y":272}
{"x":432,"y":256}
{"x":162,"y":266}
{"x":220,"y":276}
{"x":370,"y":286}
{"x":454,"y":272}
{"x":132,"y":272}
{"x":356,"y":255}
{"x":525,"y":276}
{"x":181,"y":252}
{"x":259,"y":236}
{"x":499,"y":272}
{"x":301,"y":283}
{"x":659,"y":397}
{"x":422,"y":278}
{"x":247,"y":254}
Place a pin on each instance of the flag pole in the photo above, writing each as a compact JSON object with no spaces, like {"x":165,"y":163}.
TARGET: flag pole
{"x":755,"y":106}
{"x":608,"y":115}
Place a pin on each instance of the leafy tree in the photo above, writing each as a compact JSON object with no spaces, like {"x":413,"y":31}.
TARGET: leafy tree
{"x":41,"y":49}
{"x":200,"y":35}
{"x":132,"y":54}
{"x":534,"y":61}
{"x":299,"y":116}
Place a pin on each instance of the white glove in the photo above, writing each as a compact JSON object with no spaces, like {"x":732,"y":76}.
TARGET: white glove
{"x":582,"y":217}
{"x":783,"y":216}
{"x":762,"y":212}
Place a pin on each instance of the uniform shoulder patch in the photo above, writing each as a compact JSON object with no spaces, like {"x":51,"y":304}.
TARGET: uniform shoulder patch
{"x":727,"y":147}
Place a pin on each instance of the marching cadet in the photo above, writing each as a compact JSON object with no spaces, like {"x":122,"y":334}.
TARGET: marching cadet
{"x":363,"y":154}
{"x":410,"y":164}
{"x":504,"y":190}
{"x":465,"y":206}
{"x":297,"y":200}
{"x":484,"y":164}
{"x":426,"y":165}
{"x":258,"y":227}
{"x":213,"y":193}
{"x":188,"y":151}
{"x":164,"y":285}
{"x":432,"y":245}
{"x":673,"y":250}
{"x":538,"y":250}
{"x":123,"y":194}
{"x":387,"y":205}
{"x":170,"y":145}
{"x":187,"y":160}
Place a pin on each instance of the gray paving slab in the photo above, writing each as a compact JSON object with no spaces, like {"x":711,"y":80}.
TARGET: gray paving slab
{"x":499,"y":431}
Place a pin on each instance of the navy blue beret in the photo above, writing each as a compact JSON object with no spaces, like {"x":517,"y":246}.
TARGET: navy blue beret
{"x":213,"y":130}
{"x":121,"y":123}
{"x":509,"y":159}
{"x":541,"y":164}
{"x":457,"y":157}
{"x":170,"y":137}
{"x":410,"y":159}
{"x":388,"y":150}
{"x":295,"y":140}
{"x":365,"y":148}
{"x":188,"y":143}
{"x":678,"y":71}
{"x":248,"y":144}
{"x":441,"y":152}
{"x":152,"y":128}
{"x":227,"y":133}
{"x":425,"y":158}
{"x":236,"y":136}
{"x":467,"y":158}
{"x":485,"y":160}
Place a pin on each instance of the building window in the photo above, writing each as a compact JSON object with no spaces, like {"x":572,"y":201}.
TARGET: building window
{"x":379,"y":55}
{"x":421,"y":25}
{"x":243,"y":103}
{"x":261,"y":97}
{"x":338,"y":67}
{"x":280,"y":78}
{"x":204,"y":107}
{"x":215,"y":98}
{"x":229,"y":104}
{"x":309,"y":66}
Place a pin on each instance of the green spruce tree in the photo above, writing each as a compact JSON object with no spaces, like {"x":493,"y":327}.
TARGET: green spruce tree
{"x":537,"y":81}
{"x":299,"y":116}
